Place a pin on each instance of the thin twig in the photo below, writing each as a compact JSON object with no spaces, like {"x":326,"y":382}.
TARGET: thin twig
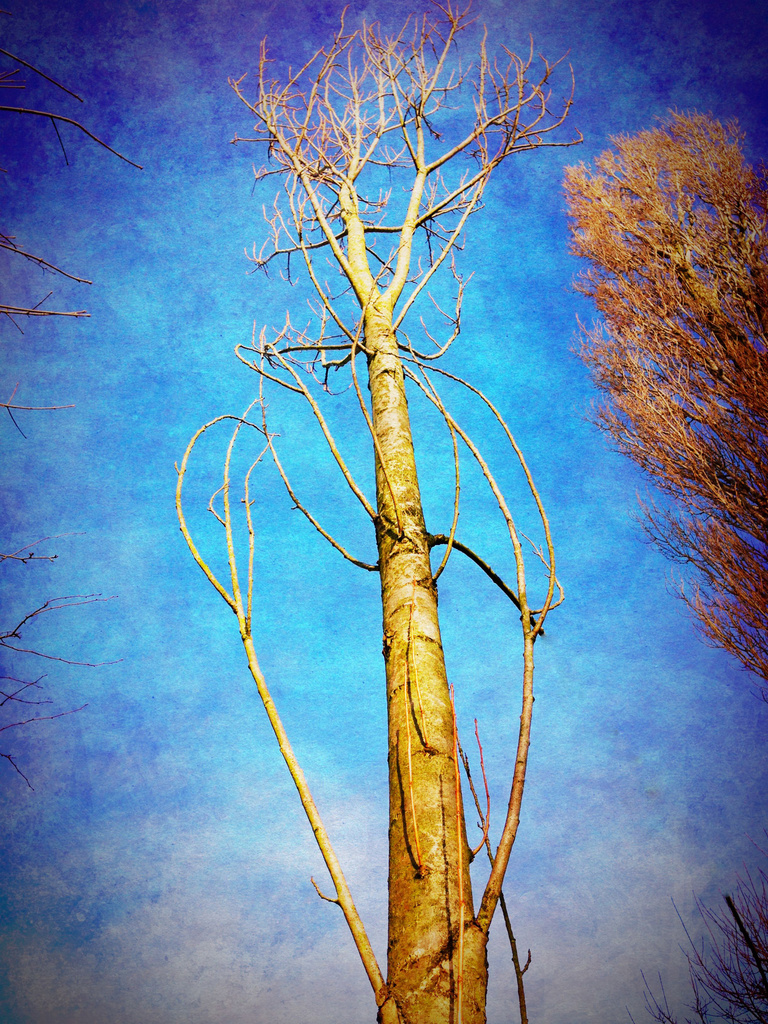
{"x":460,"y":862}
{"x":328,"y":899}
{"x":69,"y":120}
{"x":749,"y":941}
{"x":408,"y":709}
{"x":41,"y":73}
{"x":323,"y":533}
{"x":11,"y":247}
{"x":519,"y":972}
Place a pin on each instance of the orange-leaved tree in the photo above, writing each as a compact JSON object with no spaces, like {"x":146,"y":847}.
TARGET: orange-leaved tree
{"x":674,"y":225}
{"x":338,"y":132}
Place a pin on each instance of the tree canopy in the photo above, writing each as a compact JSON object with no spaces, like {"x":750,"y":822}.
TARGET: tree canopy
{"x":674,"y":225}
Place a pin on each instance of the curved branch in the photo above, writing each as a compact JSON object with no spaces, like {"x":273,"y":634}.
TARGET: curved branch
{"x":180,"y":511}
{"x":235,"y":601}
{"x":437,"y":539}
{"x":326,"y":433}
{"x":334,"y":543}
{"x":501,"y":501}
{"x":553,"y":582}
{"x":492,"y":891}
{"x":451,"y":539}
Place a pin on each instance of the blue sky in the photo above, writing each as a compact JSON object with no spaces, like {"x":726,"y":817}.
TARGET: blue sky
{"x":159,"y":872}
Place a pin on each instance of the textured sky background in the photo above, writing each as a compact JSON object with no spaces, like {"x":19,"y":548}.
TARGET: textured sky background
{"x":159,"y":871}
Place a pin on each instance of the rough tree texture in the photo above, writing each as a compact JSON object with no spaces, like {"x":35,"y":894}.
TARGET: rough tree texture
{"x":425,"y":830}
{"x":675,"y":227}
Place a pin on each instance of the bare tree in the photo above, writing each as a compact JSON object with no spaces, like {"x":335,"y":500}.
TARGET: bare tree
{"x":20,"y":698}
{"x":729,"y":969}
{"x":380,"y":178}
{"x":675,"y":227}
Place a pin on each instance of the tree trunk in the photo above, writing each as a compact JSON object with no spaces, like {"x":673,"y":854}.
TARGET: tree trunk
{"x":436,"y":955}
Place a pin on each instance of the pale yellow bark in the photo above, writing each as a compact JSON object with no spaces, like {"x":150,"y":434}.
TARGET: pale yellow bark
{"x":335,"y":116}
{"x":427,"y":841}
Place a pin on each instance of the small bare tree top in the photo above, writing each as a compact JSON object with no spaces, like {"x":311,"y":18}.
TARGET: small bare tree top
{"x":367,"y":103}
{"x":729,"y":967}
